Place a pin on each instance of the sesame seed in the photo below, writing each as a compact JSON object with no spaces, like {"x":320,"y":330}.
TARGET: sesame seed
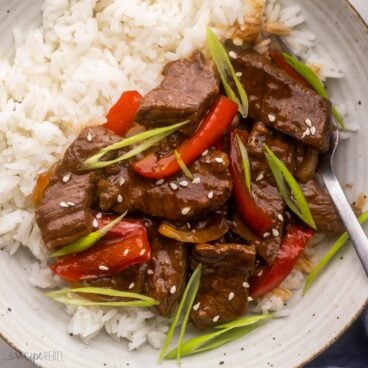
{"x":260,"y":273}
{"x":233,"y":54}
{"x":189,"y":226}
{"x":185,"y":211}
{"x":239,"y":74}
{"x":173,"y":290}
{"x":183,"y":183}
{"x":71,"y":204}
{"x":231,"y":296}
{"x":260,"y":176}
{"x":250,"y":299}
{"x":308,"y":122}
{"x":275,"y":232}
{"x":280,"y":217}
{"x":122,"y":181}
{"x":99,"y":215}
{"x":160,"y":182}
{"x":205,"y":152}
{"x":271,"y":117}
{"x":126,"y":251}
{"x":149,"y":272}
{"x":313,"y":130}
{"x":196,"y":306}
{"x":103,"y":268}
{"x":141,"y":253}
{"x":120,"y":198}
{"x":210,"y":194}
{"x":216,"y":318}
{"x":131,"y":286}
{"x":266,"y":235}
{"x":63,"y":205}
{"x":245,"y":285}
{"x":89,"y":137}
{"x":173,"y":186}
{"x":219,"y":160}
{"x":66,"y":177}
{"x":196,"y":180}
{"x":306,"y":133}
{"x":95,"y":223}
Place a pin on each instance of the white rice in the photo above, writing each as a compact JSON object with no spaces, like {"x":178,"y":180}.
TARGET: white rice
{"x":66,"y":75}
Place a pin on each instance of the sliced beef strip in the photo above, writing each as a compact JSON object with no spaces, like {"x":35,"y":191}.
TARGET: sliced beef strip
{"x":222,"y":295}
{"x":65,"y":214}
{"x":166,"y":274}
{"x":189,"y":88}
{"x":89,"y":142}
{"x":170,"y":199}
{"x":323,"y":210}
{"x":264,"y":189}
{"x":306,"y":163}
{"x":279,"y":101}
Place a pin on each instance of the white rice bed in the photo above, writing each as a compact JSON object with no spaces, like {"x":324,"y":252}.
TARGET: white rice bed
{"x":67,"y":73}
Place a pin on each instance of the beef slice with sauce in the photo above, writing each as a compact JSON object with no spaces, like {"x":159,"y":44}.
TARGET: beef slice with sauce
{"x":166,"y":274}
{"x":64,"y":214}
{"x":176,"y":198}
{"x":223,"y":293}
{"x":189,"y":88}
{"x":323,"y":210}
{"x":279,"y":101}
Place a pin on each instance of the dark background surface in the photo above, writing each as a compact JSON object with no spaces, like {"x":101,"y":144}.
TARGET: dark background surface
{"x":350,"y":351}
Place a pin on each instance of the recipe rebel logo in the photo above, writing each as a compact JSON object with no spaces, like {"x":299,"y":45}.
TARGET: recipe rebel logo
{"x":36,"y":357}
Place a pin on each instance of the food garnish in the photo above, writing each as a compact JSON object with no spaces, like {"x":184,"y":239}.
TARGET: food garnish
{"x":285,"y":178}
{"x":183,"y":309}
{"x":89,"y":240}
{"x":224,"y":334}
{"x":227,"y":72}
{"x":335,"y":248}
{"x":67,"y":296}
{"x":150,"y":138}
{"x":245,"y":161}
{"x":184,"y":168}
{"x":310,"y":76}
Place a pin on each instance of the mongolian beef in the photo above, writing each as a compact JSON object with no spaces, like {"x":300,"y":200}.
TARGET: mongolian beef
{"x":188,"y":195}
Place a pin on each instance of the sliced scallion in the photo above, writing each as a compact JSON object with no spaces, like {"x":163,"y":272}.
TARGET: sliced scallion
{"x":183,"y":167}
{"x":284,"y":179}
{"x":66,"y":296}
{"x":226,"y":333}
{"x":335,"y":248}
{"x":310,"y":76}
{"x":245,"y":162}
{"x":185,"y":308}
{"x":87,"y":241}
{"x":227,"y":72}
{"x":94,"y":161}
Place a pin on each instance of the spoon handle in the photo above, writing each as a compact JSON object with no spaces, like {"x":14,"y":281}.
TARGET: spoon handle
{"x":348,"y":217}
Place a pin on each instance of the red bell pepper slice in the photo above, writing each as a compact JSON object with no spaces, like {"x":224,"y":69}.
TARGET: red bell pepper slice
{"x":253,"y":215}
{"x":284,"y":65}
{"x":121,"y":116}
{"x":291,"y":248}
{"x":125,"y":245}
{"x":210,"y":131}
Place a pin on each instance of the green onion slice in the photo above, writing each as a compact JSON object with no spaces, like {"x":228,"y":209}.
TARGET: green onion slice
{"x":226,"y":333}
{"x":183,"y":166}
{"x":66,"y":296}
{"x":285,"y":179}
{"x":245,"y":161}
{"x":185,"y":306}
{"x":87,"y":241}
{"x":309,"y":75}
{"x":325,"y":260}
{"x":227,"y":72}
{"x":94,"y":161}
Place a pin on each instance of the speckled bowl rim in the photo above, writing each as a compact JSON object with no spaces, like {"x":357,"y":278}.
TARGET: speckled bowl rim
{"x":348,"y":324}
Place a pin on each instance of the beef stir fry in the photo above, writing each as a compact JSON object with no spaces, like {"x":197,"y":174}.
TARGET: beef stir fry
{"x":186,"y":197}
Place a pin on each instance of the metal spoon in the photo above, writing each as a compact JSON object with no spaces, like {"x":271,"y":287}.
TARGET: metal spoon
{"x":326,"y":171}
